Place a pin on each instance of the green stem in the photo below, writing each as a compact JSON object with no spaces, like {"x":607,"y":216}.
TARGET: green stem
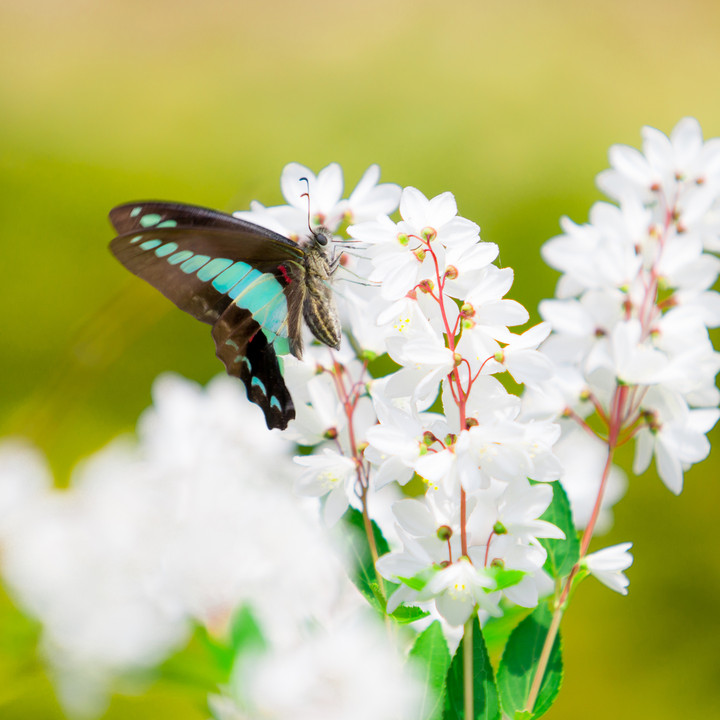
{"x":367,"y":524}
{"x":614,"y":431}
{"x":468,"y":699}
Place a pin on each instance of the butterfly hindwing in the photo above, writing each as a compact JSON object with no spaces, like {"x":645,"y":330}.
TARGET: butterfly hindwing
{"x":246,"y":353}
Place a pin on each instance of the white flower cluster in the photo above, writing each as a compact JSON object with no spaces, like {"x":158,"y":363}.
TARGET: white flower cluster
{"x":441,"y":315}
{"x":182,"y":527}
{"x":633,"y":306}
{"x":446,"y":325}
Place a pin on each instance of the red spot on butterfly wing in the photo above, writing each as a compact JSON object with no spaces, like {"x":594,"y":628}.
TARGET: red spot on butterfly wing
{"x":285,"y":274}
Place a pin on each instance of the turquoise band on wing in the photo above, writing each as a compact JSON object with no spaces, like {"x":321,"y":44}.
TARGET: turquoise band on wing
{"x":259,"y":293}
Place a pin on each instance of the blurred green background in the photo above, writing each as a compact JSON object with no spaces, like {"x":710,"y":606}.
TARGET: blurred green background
{"x":511,"y":106}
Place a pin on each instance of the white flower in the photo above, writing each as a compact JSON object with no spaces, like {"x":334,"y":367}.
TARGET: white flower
{"x":676,"y":439}
{"x":597,"y":255}
{"x":426,"y":361}
{"x":682,"y":160}
{"x":630,"y":358}
{"x":523,"y":361}
{"x":322,"y":194}
{"x":413,"y":250}
{"x":396,"y":442}
{"x":608,"y":566}
{"x":368,"y":199}
{"x":459,"y":588}
{"x":516,"y":512}
{"x":328,"y":474}
{"x":508,"y":451}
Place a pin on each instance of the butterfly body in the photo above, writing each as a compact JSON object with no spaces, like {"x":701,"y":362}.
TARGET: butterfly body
{"x":251,"y":284}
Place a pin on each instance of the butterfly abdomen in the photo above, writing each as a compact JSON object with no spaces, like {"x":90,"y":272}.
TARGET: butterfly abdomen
{"x":319,"y":308}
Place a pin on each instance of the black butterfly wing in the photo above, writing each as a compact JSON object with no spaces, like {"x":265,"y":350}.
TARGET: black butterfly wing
{"x":143,"y":215}
{"x":247,"y":281}
{"x":247,"y":354}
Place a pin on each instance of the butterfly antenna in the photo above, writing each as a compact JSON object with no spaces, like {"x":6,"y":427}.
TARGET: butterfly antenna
{"x":307,"y":195}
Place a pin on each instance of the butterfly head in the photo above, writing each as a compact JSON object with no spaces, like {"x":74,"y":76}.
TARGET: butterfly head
{"x":319,"y":239}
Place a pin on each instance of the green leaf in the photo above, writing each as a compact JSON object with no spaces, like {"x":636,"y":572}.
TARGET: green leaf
{"x":505,"y":578}
{"x":245,"y":632}
{"x":496,"y":631}
{"x":562,"y":554}
{"x":407,"y":614}
{"x":485,"y":693}
{"x":520,"y":663}
{"x":419,"y":581}
{"x":431,"y":657}
{"x":202,"y":665}
{"x":207,"y":661}
{"x":363,"y":572}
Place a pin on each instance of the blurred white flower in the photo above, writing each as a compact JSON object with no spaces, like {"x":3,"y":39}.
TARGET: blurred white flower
{"x":153,"y":536}
{"x":351,"y":672}
{"x":24,"y":476}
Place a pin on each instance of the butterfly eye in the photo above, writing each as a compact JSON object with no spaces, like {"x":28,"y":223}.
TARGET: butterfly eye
{"x":321,"y":239}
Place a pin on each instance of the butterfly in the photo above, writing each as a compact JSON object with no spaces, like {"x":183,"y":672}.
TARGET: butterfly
{"x":251,"y":284}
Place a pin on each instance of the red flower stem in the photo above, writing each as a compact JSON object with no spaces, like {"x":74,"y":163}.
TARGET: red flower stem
{"x":349,"y":401}
{"x":569,"y":412}
{"x":461,"y":398}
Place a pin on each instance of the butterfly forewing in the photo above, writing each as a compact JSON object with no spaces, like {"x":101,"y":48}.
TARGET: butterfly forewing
{"x":245,"y":280}
{"x":141,"y":216}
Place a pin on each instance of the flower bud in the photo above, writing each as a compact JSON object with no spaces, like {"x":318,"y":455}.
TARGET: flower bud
{"x":499,"y":528}
{"x":444,"y":533}
{"x":428,"y":438}
{"x":428,"y":234}
{"x":451,"y":273}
